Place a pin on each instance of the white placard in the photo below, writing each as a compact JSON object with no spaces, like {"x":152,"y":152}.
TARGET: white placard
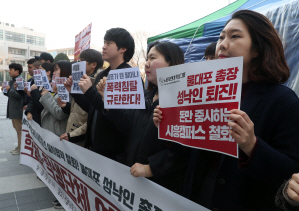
{"x":83,"y":180}
{"x":20,"y":83}
{"x":78,"y":70}
{"x":124,"y":89}
{"x":4,"y":85}
{"x":62,"y":92}
{"x":46,"y":82}
{"x":37,"y":75}
{"x":27,"y":86}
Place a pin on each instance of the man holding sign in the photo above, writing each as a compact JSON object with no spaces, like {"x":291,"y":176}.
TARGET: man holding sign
{"x":15,"y":103}
{"x":101,"y":135}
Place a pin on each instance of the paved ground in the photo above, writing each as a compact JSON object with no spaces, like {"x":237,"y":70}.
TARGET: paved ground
{"x":20,"y":190}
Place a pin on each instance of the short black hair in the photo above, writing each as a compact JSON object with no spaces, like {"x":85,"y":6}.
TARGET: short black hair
{"x":123,"y":39}
{"x":91,"y":55}
{"x":211,"y":49}
{"x":65,"y":68}
{"x":16,"y":66}
{"x":48,"y":67}
{"x":31,"y":61}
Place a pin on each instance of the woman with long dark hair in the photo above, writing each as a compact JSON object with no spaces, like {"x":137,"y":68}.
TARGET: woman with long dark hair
{"x":266,"y":127}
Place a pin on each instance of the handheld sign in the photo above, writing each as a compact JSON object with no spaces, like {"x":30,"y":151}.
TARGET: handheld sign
{"x":82,"y":41}
{"x":37,"y":74}
{"x":196,"y":100}
{"x":20,"y":83}
{"x":27,"y":86}
{"x":78,"y":70}
{"x":4,"y":85}
{"x":62,"y":92}
{"x":124,"y":90}
{"x":46,"y":82}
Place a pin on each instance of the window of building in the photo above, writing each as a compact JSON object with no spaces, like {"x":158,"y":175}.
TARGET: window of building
{"x":65,"y":52}
{"x":16,"y":51}
{"x":35,"y":53}
{"x":71,"y":52}
{"x":33,"y":40}
{"x":23,"y":63}
{"x":14,"y":37}
{"x":1,"y":34}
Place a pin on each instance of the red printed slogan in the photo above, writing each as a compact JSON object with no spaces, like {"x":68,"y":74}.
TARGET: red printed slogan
{"x":196,"y":101}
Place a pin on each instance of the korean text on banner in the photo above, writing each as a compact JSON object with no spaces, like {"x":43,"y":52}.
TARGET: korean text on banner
{"x":61,"y":90}
{"x":82,"y":41}
{"x":124,"y":89}
{"x":83,"y":180}
{"x":20,"y":83}
{"x":196,"y":100}
{"x":37,"y":75}
{"x":4,"y":85}
{"x":78,"y":70}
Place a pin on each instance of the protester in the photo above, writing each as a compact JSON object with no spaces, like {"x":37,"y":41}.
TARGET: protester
{"x":148,"y":156}
{"x":45,"y":57}
{"x":266,"y":127}
{"x":287,"y":197}
{"x":102,"y":136}
{"x":76,"y":125}
{"x":30,"y":68}
{"x":15,"y":103}
{"x":210,"y":51}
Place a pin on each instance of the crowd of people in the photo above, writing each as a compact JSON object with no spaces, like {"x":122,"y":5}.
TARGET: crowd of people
{"x":266,"y":126}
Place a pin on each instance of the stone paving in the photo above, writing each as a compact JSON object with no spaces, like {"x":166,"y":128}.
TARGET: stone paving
{"x":20,"y":190}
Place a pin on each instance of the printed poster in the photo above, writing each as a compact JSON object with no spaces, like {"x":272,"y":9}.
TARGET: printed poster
{"x":124,"y":89}
{"x":82,"y":41}
{"x":78,"y":70}
{"x":61,"y":90}
{"x":196,"y":100}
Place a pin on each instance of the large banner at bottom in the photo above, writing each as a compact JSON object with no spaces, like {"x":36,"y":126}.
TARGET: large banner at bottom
{"x":83,"y":180}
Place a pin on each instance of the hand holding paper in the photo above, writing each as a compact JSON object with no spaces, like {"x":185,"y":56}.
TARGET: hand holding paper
{"x":68,"y":84}
{"x":64,"y":137}
{"x":29,"y":116}
{"x":101,"y":86}
{"x":157,"y":115}
{"x":33,"y":87}
{"x":60,"y":103}
{"x":85,"y":83}
{"x":242,"y":130}
{"x":45,"y":91}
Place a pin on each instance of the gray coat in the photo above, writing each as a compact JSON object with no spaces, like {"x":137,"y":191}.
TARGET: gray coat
{"x":15,"y":101}
{"x":52,"y":116}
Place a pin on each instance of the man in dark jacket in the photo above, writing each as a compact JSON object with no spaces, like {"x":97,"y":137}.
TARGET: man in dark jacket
{"x":15,"y":103}
{"x":31,"y":67}
{"x":102,"y":136}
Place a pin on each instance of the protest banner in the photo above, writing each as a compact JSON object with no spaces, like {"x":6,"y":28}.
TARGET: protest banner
{"x":37,"y":75}
{"x":20,"y":83}
{"x":61,"y":90}
{"x":78,"y":70}
{"x":46,"y":82}
{"x":27,"y":86}
{"x":82,"y":41}
{"x":5,"y":83}
{"x":83,"y":180}
{"x":196,"y":100}
{"x":124,"y":89}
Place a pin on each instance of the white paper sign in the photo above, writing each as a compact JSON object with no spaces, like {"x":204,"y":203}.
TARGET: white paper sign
{"x":37,"y":74}
{"x":62,"y":92}
{"x":46,"y":82}
{"x":27,"y":86}
{"x":5,"y":83}
{"x":124,"y":89}
{"x":83,"y":180}
{"x":78,"y":70}
{"x":20,"y":83}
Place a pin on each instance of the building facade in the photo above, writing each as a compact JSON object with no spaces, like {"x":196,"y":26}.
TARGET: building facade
{"x":18,"y":45}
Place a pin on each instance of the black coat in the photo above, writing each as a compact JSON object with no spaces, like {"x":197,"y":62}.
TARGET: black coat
{"x":34,"y":106}
{"x":167,"y":160}
{"x":274,"y":110}
{"x":109,"y":141}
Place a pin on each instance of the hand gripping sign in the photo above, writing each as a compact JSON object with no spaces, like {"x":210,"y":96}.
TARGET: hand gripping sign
{"x":124,"y":90}
{"x":196,"y":100}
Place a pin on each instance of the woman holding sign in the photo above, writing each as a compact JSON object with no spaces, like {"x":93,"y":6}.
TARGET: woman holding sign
{"x":162,"y":162}
{"x":266,"y":127}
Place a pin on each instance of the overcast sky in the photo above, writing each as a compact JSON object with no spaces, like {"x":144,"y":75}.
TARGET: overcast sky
{"x":61,"y":20}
